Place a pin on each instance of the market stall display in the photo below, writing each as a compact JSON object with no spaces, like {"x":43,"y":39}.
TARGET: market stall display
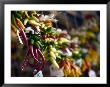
{"x":48,"y":49}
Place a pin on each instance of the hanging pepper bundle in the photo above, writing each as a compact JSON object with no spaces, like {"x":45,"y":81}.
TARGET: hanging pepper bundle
{"x":37,"y":34}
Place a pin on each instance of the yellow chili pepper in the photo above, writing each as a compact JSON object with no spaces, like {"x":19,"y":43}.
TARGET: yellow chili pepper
{"x":21,"y":24}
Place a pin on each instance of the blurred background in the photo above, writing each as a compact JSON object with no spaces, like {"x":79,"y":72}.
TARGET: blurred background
{"x":84,"y":25}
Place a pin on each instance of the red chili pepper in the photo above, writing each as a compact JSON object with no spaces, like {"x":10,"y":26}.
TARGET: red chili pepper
{"x":87,"y":64}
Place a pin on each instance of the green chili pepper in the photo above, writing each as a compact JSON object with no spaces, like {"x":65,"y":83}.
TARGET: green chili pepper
{"x":13,"y":21}
{"x":25,"y":21}
{"x":32,"y":41}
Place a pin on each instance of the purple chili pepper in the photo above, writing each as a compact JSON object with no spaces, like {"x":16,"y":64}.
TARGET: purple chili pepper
{"x":43,"y":58}
{"x":32,"y":52}
{"x":37,"y":67}
{"x":25,"y":63}
{"x":22,"y":33}
{"x":36,"y":56}
{"x":35,"y":53}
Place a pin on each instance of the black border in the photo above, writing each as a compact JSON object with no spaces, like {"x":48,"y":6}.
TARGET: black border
{"x":1,"y":44}
{"x":55,"y":1}
{"x":43,"y":2}
{"x":108,"y":41}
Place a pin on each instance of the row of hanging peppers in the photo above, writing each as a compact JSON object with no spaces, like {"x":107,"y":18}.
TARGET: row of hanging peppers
{"x":45,"y":43}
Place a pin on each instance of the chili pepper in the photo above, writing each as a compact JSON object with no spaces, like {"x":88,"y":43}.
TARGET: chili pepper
{"x":14,"y":21}
{"x":25,"y":21}
{"x":54,"y":62}
{"x":26,"y":13}
{"x":43,"y":58}
{"x":22,"y":32}
{"x":18,"y":15}
{"x":43,"y":61}
{"x":33,"y":22}
{"x":14,"y":28}
{"x":25,"y":63}
{"x":35,"y":18}
{"x":32,"y":52}
{"x":87,"y":64}
{"x":30,"y":48}
{"x":35,"y":52}
{"x":20,"y":24}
